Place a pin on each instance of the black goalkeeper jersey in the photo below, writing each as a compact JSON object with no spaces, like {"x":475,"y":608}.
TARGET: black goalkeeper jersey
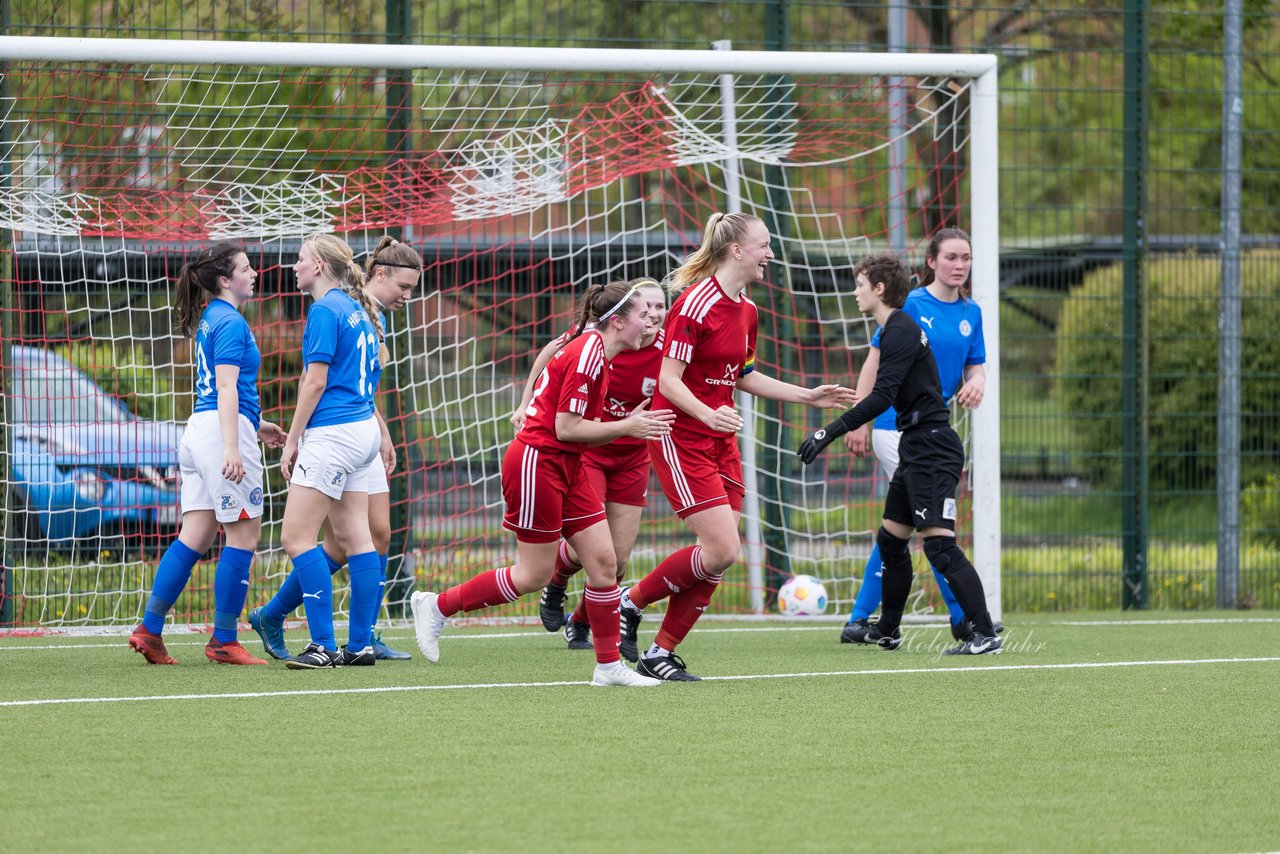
{"x":907,"y":379}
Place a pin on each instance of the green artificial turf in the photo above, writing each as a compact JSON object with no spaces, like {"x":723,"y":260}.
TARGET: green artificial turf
{"x":841,"y":748}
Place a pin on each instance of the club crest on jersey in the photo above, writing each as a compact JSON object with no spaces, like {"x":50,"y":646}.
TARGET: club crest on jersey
{"x":965,"y":329}
{"x":649,"y":386}
{"x":255,"y":497}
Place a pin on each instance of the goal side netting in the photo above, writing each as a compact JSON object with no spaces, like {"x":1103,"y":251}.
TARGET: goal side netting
{"x":522,"y":176}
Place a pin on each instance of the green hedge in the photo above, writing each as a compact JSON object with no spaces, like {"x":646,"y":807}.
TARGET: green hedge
{"x":1182,"y":323}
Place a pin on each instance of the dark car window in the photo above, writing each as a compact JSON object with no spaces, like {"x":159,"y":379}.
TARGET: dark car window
{"x":40,"y":396}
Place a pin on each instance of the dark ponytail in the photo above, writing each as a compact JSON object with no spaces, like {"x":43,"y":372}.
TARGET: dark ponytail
{"x":613,"y":300}
{"x":198,"y":280}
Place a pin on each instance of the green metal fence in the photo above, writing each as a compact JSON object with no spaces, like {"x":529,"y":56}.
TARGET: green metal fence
{"x":1111,"y":186}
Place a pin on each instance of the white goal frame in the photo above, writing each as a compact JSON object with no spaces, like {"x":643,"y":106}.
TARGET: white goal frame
{"x":981,"y":69}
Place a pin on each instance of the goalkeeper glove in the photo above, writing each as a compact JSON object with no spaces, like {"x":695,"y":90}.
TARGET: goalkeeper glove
{"x":818,"y":442}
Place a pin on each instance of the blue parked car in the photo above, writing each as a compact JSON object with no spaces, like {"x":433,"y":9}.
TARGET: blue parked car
{"x":86,"y":472}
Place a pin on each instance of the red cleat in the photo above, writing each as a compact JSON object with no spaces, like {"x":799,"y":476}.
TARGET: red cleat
{"x":229,"y":653}
{"x":151,"y":646}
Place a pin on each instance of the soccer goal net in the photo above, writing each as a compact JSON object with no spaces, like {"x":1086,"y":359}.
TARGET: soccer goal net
{"x":522,"y":176}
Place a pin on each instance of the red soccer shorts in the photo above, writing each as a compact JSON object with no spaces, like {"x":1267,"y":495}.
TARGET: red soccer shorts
{"x":698,"y":471}
{"x":619,"y":474}
{"x":548,"y":494}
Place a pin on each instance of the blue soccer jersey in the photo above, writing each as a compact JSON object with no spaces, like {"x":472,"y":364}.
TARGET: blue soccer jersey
{"x":955,"y":335}
{"x":339,"y":333}
{"x":223,"y":337}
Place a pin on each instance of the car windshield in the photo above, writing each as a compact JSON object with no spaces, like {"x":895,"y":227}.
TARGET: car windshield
{"x":43,"y":396}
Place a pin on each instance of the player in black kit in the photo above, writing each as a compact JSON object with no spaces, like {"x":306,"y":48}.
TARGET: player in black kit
{"x":922,"y":492}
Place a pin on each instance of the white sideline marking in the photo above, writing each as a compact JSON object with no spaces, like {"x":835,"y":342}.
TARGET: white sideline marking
{"x":116,"y":644}
{"x":390,"y":689}
{"x":1206,"y":621}
{"x":706,"y":630}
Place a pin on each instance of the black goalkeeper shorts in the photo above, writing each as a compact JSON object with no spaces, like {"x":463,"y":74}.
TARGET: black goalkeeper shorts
{"x":922,"y":493}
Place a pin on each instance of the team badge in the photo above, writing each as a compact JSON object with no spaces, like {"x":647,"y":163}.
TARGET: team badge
{"x":965,"y":329}
{"x":255,"y":497}
{"x":649,"y":386}
{"x":228,"y":502}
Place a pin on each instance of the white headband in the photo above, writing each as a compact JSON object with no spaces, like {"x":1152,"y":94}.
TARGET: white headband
{"x":608,"y":314}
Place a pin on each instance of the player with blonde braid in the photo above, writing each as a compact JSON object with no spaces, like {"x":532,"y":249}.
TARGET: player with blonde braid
{"x":391,"y":273}
{"x":332,"y":441}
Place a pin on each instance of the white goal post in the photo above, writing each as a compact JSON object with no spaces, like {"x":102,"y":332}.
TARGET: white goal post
{"x":545,"y":174}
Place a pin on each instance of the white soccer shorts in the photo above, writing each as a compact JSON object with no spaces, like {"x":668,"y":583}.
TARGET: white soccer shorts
{"x":336,"y":459}
{"x":885,"y":445}
{"x":200,"y":463}
{"x":376,"y":476}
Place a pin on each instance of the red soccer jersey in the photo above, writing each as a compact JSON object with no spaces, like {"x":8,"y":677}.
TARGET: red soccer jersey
{"x":633,"y":379}
{"x":715,"y":336}
{"x":575,"y":380}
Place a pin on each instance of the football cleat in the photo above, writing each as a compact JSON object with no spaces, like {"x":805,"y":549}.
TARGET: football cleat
{"x":366,"y":657}
{"x":230,"y":652}
{"x":856,"y":631}
{"x":888,"y":642}
{"x":271,"y":633}
{"x":151,"y":646}
{"x":668,"y":668}
{"x":962,"y":630}
{"x":428,"y":623}
{"x":617,"y":673}
{"x":551,"y":607}
{"x":314,"y":657}
{"x":578,"y":635}
{"x":385,"y":653}
{"x":976,"y":645}
{"x":630,"y":618}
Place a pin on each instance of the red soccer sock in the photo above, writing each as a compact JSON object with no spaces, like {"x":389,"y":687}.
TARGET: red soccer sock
{"x":580,"y":613}
{"x":683,"y":611}
{"x":602,"y":612}
{"x":566,"y":567}
{"x":679,"y":572}
{"x":488,"y":588}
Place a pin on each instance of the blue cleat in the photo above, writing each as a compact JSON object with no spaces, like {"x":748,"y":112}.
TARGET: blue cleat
{"x":271,"y":633}
{"x":385,"y":653}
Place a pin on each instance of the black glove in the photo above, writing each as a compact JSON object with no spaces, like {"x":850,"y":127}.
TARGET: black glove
{"x":818,"y":442}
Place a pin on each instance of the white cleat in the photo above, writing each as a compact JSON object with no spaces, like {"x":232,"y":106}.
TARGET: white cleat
{"x":618,"y":673}
{"x":428,"y":622}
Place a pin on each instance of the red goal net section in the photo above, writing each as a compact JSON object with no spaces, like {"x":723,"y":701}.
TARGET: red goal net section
{"x":522,"y":176}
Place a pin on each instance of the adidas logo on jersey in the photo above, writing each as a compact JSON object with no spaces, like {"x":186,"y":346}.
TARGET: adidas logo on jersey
{"x":583,"y":389}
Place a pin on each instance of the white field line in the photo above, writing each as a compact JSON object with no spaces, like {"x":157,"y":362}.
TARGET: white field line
{"x":780,"y":624}
{"x":113,"y":641}
{"x":1180,"y":622}
{"x":992,"y":668}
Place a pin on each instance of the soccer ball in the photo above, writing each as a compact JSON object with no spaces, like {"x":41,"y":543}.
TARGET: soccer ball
{"x":802,"y":596}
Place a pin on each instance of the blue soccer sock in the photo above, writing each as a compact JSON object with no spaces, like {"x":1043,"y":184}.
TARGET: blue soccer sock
{"x":171,"y":577}
{"x":230,"y":589}
{"x":382,"y":590}
{"x":289,"y":598}
{"x":871,"y":590}
{"x":365,"y":587}
{"x":317,"y":596}
{"x":953,"y":606}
